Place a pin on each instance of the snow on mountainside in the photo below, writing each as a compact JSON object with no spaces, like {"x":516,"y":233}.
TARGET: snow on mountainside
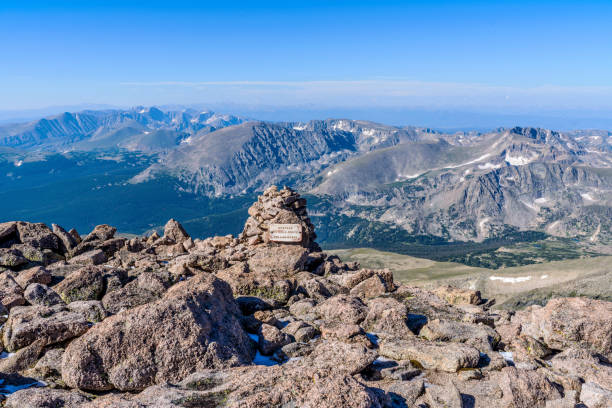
{"x":463,"y":186}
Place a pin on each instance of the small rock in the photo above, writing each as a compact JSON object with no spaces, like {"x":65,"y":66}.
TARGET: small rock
{"x":446,"y":396}
{"x":271,"y":339}
{"x":36,"y":274}
{"x":41,"y":295}
{"x":94,"y":257}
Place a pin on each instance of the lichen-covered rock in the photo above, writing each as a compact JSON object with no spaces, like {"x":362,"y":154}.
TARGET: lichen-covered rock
{"x":84,"y":284}
{"x":370,"y":288}
{"x":444,"y":396}
{"x":12,"y":258}
{"x":38,"y":236}
{"x":91,"y":310}
{"x":41,"y":295}
{"x":49,"y":366}
{"x":194,"y":326}
{"x":324,"y":379}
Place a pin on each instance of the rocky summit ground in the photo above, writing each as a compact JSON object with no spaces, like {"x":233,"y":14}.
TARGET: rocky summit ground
{"x":169,"y":321}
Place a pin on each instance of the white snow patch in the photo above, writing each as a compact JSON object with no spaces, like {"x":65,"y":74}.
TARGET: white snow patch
{"x":409,"y":176}
{"x":299,"y":127}
{"x":543,"y":276}
{"x":489,"y":165}
{"x":481,"y":158}
{"x":329,"y":173}
{"x":587,"y":196}
{"x":507,"y":355}
{"x":519,"y":160}
{"x":4,"y":354}
{"x":368,"y":132}
{"x":146,"y":132}
{"x":341,"y":125}
{"x":541,"y":200}
{"x":531,"y":206}
{"x":18,"y":163}
{"x":482,"y":223}
{"x":187,"y":140}
{"x":511,"y":280}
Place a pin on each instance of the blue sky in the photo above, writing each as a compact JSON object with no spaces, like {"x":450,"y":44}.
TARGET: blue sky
{"x":501,"y":56}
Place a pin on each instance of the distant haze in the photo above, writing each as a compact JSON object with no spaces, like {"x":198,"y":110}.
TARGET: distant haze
{"x":435,"y":63}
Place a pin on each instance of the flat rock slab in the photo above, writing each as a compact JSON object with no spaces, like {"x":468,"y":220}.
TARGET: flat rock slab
{"x":50,"y":324}
{"x":449,"y":357}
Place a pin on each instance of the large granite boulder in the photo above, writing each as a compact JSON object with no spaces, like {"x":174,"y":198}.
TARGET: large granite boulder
{"x":570,"y":322}
{"x":193,"y":327}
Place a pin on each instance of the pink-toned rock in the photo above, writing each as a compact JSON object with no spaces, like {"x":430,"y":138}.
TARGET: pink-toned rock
{"x":175,"y":231}
{"x":449,"y":357}
{"x":271,"y":339}
{"x":570,"y":322}
{"x":370,"y":288}
{"x":457,"y":296}
{"x":11,"y":294}
{"x":387,"y":318}
{"x":51,"y":325}
{"x":36,"y":274}
{"x":343,"y":308}
{"x":525,"y":388}
{"x":193,"y":327}
{"x":46,"y":398}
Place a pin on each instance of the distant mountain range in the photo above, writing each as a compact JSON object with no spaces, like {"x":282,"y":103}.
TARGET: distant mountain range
{"x":139,"y":129}
{"x":369,"y":183}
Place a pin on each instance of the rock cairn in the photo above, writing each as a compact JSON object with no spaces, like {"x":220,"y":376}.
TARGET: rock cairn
{"x":172,"y":321}
{"x":278,"y":207}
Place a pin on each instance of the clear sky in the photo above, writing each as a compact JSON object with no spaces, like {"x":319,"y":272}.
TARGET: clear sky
{"x":488,"y":55}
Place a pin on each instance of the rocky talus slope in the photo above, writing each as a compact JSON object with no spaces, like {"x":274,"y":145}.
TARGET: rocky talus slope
{"x":169,"y":321}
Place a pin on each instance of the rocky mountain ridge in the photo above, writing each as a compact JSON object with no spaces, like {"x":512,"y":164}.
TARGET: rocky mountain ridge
{"x":171,"y":321}
{"x":417,"y":183}
{"x":138,"y":129}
